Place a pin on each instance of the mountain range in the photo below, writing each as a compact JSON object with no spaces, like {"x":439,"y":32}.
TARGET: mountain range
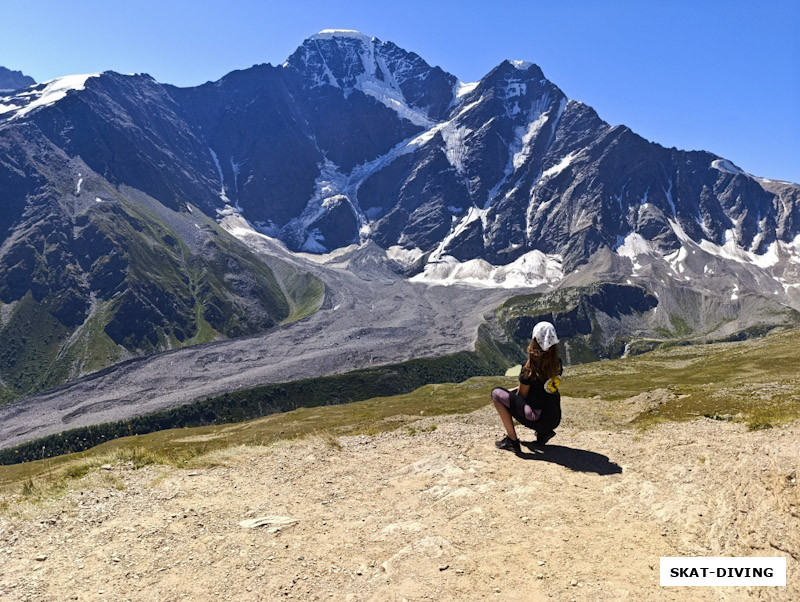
{"x":133,"y":214}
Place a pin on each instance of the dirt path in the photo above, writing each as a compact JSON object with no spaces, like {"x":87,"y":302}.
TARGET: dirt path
{"x":437,"y":515}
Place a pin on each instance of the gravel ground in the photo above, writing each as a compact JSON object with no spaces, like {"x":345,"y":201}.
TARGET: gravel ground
{"x":437,"y":515}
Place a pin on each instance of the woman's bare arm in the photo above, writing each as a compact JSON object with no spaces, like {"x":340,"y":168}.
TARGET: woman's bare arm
{"x":522,"y":390}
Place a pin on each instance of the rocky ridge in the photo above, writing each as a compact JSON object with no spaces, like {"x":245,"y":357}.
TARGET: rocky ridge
{"x":10,"y":80}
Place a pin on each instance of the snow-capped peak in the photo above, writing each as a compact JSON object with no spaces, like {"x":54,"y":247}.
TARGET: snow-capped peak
{"x":351,"y":60}
{"x":327,"y":34}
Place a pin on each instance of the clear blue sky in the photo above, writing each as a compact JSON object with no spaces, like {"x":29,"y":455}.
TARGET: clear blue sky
{"x":720,"y":76}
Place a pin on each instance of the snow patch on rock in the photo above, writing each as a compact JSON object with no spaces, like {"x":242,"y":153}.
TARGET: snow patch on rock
{"x":221,"y":194}
{"x":632,"y":246}
{"x":472,"y":215}
{"x":521,"y":65}
{"x":455,"y":144}
{"x":42,"y":95}
{"x":461,"y":89}
{"x":558,"y":167}
{"x":727,"y":166}
{"x":531,"y":270}
{"x":405,"y":257}
{"x":327,"y":34}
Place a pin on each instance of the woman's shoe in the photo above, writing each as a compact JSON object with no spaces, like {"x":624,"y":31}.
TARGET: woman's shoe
{"x":544,"y":437}
{"x":509,"y":444}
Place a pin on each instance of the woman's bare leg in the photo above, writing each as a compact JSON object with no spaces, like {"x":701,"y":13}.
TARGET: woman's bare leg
{"x":508,"y":421}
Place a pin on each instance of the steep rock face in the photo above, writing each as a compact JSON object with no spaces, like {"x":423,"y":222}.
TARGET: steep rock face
{"x":572,"y":184}
{"x":126,"y":128}
{"x":288,"y":138}
{"x":92,"y":273}
{"x":11,"y":81}
{"x":263,"y":157}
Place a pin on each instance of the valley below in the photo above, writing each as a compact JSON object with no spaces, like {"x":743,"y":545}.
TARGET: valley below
{"x":371,"y":316}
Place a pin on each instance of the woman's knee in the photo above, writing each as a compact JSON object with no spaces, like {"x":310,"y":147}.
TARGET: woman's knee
{"x":501,"y":396}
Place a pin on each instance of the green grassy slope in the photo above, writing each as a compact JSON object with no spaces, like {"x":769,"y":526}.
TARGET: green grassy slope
{"x":120,"y":282}
{"x":754,"y":381}
{"x":603,"y":320}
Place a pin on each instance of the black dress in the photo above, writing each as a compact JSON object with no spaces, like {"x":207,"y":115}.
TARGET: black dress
{"x":538,"y":399}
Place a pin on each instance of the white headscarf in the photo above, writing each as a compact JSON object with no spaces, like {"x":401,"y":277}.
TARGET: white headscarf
{"x":545,"y":334}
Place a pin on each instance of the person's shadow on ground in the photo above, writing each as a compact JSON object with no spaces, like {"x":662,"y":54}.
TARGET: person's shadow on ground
{"x":579,"y":460}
